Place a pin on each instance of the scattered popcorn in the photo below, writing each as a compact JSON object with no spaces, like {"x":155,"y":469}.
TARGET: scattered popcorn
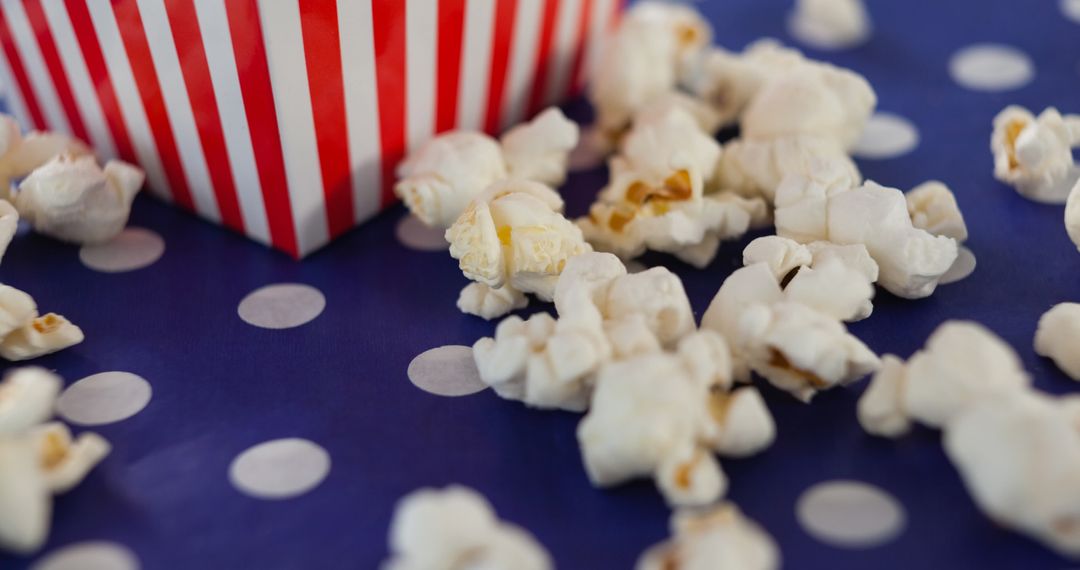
{"x":1058,"y":336}
{"x":36,"y":460}
{"x":27,"y":396}
{"x":830,"y":24}
{"x":801,"y":350}
{"x":439,"y":179}
{"x":9,"y":223}
{"x":742,"y":289}
{"x":932,"y":207}
{"x":513,"y":235}
{"x":72,"y":199}
{"x":962,"y":364}
{"x":489,"y":303}
{"x":25,"y":335}
{"x":641,"y":59}
{"x":1033,"y":154}
{"x":456,"y":529}
{"x":910,"y":260}
{"x":663,"y":415}
{"x":781,"y":255}
{"x":719,"y":538}
{"x":757,"y":167}
{"x":20,"y":155}
{"x":1072,"y":215}
{"x":1019,"y":458}
{"x":538,"y":150}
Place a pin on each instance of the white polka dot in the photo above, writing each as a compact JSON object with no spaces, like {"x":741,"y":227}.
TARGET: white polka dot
{"x":991,"y":67}
{"x":281,"y":306}
{"x":91,"y":555}
{"x":280,"y":469}
{"x":886,"y":136}
{"x":850,"y":514}
{"x":104,"y":398}
{"x":961,"y":268}
{"x":446,"y":371}
{"x":1071,"y":9}
{"x":589,"y":152}
{"x":820,"y":35}
{"x":133,"y":249}
{"x":414,"y":234}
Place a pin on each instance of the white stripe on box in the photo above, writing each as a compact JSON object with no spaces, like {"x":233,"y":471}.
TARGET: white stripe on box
{"x":420,"y":34}
{"x":81,"y":85}
{"x":361,"y":105}
{"x":562,"y":50}
{"x":127,"y":94}
{"x":527,"y":24}
{"x":475,"y":63}
{"x":178,"y":107}
{"x":292,"y":98}
{"x":217,"y":43}
{"x":598,"y":32}
{"x":34,"y":63}
{"x":12,"y":94}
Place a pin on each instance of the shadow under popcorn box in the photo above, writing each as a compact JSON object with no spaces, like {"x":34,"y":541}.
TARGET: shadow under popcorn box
{"x":285,"y":119}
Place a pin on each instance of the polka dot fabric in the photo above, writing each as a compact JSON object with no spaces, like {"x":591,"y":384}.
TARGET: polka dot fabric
{"x":165,"y":498}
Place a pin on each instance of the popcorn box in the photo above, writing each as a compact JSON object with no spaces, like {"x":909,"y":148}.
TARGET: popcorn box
{"x":285,"y":119}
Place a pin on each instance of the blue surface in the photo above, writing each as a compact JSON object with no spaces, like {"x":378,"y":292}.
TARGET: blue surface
{"x":221,"y":385}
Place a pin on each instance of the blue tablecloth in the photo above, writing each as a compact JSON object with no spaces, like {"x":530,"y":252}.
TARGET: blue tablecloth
{"x":221,"y":385}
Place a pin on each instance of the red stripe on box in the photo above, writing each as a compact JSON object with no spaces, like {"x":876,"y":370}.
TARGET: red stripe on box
{"x":577,"y":69}
{"x":322,"y":52}
{"x":129,"y":21}
{"x":99,"y":75}
{"x":17,"y":69}
{"x":451,"y":26}
{"x":250,"y":53}
{"x":47,"y":44}
{"x":200,"y":88}
{"x":543,"y":57}
{"x":502,"y":38}
{"x":616,"y":13}
{"x":388,"y":24}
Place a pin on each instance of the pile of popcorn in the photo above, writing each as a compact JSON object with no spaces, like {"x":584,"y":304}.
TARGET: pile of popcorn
{"x":663,"y":396}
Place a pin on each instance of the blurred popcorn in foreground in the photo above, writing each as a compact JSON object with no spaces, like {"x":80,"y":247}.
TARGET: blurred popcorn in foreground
{"x":456,"y":528}
{"x":36,"y":460}
{"x":24,"y":334}
{"x":1058,"y":337}
{"x":1019,"y":458}
{"x":21,"y":154}
{"x":961,"y":365}
{"x":1034,"y":154}
{"x":9,"y":224}
{"x":830,"y":24}
{"x":513,"y":235}
{"x":72,"y":199}
{"x":718,"y":538}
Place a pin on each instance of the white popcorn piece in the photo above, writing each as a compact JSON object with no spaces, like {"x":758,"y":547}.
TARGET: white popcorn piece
{"x":1058,"y":336}
{"x":640,"y":61}
{"x":72,"y":199}
{"x":742,"y":289}
{"x":27,"y":398}
{"x":489,"y":303}
{"x":538,"y":150}
{"x":1020,"y":460}
{"x":719,"y":538}
{"x":1033,"y":154}
{"x":439,"y":179}
{"x":830,"y":24}
{"x":20,"y":155}
{"x":655,"y":145}
{"x":746,"y":425}
{"x":759,"y":167}
{"x":514,"y":235}
{"x":43,"y":335}
{"x":853,"y":255}
{"x":724,"y":81}
{"x":456,"y":529}
{"x":801,"y":350}
{"x":881,"y":409}
{"x":910,"y":260}
{"x":658,"y":295}
{"x":25,"y":500}
{"x":812,"y":98}
{"x":932,"y":207}
{"x":706,"y":117}
{"x":16,"y":309}
{"x":66,"y":461}
{"x":9,"y":224}
{"x":781,"y":255}
{"x":1072,"y":215}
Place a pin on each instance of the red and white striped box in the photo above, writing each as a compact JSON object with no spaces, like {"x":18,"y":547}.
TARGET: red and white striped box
{"x":284,"y":119}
